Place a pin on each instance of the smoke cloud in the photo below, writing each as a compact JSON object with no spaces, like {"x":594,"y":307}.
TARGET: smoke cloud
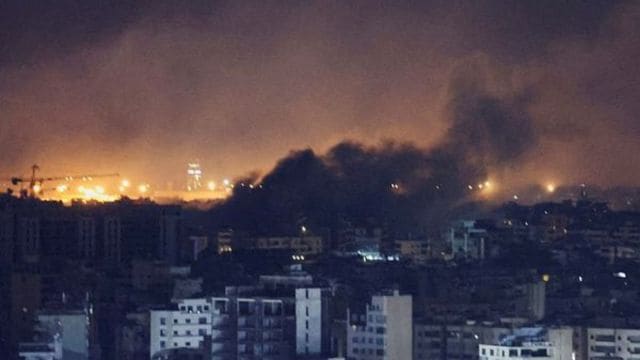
{"x":145,"y":87}
{"x":396,"y":185}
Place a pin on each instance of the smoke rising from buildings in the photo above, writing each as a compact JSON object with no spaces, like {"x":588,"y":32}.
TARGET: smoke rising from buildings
{"x":142,"y":88}
{"x":396,"y":184}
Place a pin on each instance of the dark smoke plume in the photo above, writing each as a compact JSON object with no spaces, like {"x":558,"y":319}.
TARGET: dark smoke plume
{"x":398,"y":186}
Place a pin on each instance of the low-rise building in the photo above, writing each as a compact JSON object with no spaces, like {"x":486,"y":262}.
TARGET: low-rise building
{"x":242,"y":325}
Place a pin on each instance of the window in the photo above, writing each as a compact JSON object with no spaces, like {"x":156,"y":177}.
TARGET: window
{"x":199,"y":308}
{"x":206,"y":308}
{"x":188,"y":321}
{"x":190,"y":308}
{"x":175,"y":332}
{"x":183,"y":308}
{"x":187,"y":343}
{"x":306,"y":310}
{"x":163,"y":321}
{"x":483,"y":351}
{"x":188,"y":332}
{"x":306,"y":324}
{"x":306,"y":293}
{"x":513,"y":353}
{"x":202,"y":332}
{"x":175,"y":321}
{"x":306,"y":337}
{"x":163,"y":344}
{"x":354,"y":340}
{"x":202,"y":320}
{"x":380,"y":352}
{"x":163,"y":332}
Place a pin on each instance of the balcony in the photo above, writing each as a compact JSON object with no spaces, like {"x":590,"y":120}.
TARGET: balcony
{"x":605,"y":338}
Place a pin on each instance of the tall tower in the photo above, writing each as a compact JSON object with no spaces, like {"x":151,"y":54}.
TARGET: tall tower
{"x":194,"y":176}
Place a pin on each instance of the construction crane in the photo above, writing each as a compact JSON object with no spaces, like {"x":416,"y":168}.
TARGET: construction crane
{"x":36,"y":184}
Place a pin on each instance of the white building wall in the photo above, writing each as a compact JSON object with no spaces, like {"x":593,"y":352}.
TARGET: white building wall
{"x":185,"y":328}
{"x":609,"y":343}
{"x":388,"y":333}
{"x":308,"y":321}
{"x":74,"y":332}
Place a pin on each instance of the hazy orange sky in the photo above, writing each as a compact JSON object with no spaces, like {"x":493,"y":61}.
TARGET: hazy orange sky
{"x":143,"y":88}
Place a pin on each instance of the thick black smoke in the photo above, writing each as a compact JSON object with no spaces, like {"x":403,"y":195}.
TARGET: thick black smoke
{"x":398,"y":186}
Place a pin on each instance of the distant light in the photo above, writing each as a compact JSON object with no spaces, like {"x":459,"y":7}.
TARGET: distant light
{"x":143,"y":188}
{"x":551,"y":188}
{"x":620,"y":275}
{"x":211,"y":185}
{"x":470,"y":187}
{"x":546,"y":277}
{"x":121,"y":188}
{"x":226,"y":182}
{"x":125,"y":183}
{"x":303,"y":229}
{"x":99,"y":189}
{"x":37,"y":188}
{"x":580,"y":279}
{"x":62,"y":188}
{"x":515,"y":197}
{"x":480,"y":186}
{"x":488,"y":183}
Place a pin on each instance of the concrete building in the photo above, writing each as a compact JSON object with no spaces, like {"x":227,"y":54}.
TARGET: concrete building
{"x":612,"y":343}
{"x":64,"y":334}
{"x":300,"y":245}
{"x":415,"y":251}
{"x":384,"y":332}
{"x":312,"y":317}
{"x":451,"y":341}
{"x":466,"y":241}
{"x":242,"y":325}
{"x":531,"y":343}
{"x":46,"y":349}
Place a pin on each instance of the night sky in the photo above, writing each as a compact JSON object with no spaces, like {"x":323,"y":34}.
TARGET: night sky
{"x":142,"y":87}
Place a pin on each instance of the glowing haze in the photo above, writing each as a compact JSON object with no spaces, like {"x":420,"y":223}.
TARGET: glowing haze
{"x":142,"y":89}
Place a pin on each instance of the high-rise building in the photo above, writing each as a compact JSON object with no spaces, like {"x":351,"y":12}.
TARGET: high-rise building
{"x":385,"y":332}
{"x":312,"y":317}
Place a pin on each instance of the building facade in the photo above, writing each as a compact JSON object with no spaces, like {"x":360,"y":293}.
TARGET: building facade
{"x":385,"y":331}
